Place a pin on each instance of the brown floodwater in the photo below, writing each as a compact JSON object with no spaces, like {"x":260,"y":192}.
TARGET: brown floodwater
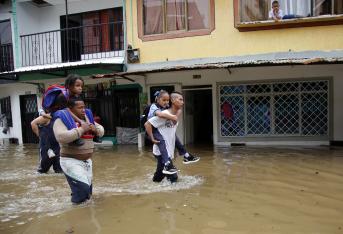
{"x":230,"y":190}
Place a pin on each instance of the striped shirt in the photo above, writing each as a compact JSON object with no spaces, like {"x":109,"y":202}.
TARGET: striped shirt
{"x":167,"y":129}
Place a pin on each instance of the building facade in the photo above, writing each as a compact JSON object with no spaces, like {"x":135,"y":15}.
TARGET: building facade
{"x":246,"y":78}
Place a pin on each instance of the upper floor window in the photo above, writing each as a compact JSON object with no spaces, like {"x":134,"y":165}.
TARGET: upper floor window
{"x":161,"y":19}
{"x":286,"y":13}
{"x":92,"y":32}
{"x":6,"y":50}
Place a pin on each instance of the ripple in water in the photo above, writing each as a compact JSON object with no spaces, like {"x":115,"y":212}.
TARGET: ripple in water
{"x":53,"y":199}
{"x":146,"y":186}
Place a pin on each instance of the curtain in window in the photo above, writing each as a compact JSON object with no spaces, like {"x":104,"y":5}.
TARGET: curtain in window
{"x":338,"y":8}
{"x":175,"y":15}
{"x":198,"y":14}
{"x":5,"y":33}
{"x":105,"y":32}
{"x":322,"y":7}
{"x":153,"y":16}
{"x":116,"y":30}
{"x":254,"y":10}
{"x":294,"y":7}
{"x":91,"y":34}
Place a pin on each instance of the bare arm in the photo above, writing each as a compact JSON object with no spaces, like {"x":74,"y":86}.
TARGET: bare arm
{"x":166,"y":115}
{"x":148,"y":128}
{"x":41,"y":120}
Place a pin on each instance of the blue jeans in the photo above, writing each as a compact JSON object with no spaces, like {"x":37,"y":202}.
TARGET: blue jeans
{"x":163,"y":148}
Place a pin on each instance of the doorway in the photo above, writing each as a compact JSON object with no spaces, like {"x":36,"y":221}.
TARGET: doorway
{"x":28,"y":110}
{"x":198,"y":118}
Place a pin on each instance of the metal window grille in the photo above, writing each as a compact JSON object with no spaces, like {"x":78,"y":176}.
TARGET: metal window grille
{"x":5,"y":108}
{"x":275,"y":109}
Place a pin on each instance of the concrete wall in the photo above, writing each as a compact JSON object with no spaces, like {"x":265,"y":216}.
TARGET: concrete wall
{"x":5,"y":11}
{"x":226,"y":40}
{"x":14,"y":91}
{"x":235,"y":75}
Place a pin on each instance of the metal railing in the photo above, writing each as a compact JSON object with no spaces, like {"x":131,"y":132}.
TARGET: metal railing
{"x":6,"y":58}
{"x":89,"y":42}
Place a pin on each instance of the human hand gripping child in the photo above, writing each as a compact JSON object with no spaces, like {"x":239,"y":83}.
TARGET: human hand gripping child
{"x":74,"y":85}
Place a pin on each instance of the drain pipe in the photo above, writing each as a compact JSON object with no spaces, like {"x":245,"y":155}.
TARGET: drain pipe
{"x":131,"y":22}
{"x":16,"y":35}
{"x":125,"y":35}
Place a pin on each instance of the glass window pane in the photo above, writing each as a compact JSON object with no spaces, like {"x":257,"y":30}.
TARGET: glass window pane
{"x":198,"y":14}
{"x":322,"y":7}
{"x":254,"y":10}
{"x":175,"y":15}
{"x":91,"y":34}
{"x":294,"y":8}
{"x":314,"y":114}
{"x":259,"y":88}
{"x":258,"y":115}
{"x":5,"y":33}
{"x":153,"y":17}
{"x":338,"y":8}
{"x":286,"y":109}
{"x":285,"y":87}
{"x":232,"y":116}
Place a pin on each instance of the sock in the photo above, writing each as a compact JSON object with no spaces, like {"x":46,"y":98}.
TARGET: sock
{"x":186,"y":155}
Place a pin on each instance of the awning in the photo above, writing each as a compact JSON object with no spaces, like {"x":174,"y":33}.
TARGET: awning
{"x":269,"y":59}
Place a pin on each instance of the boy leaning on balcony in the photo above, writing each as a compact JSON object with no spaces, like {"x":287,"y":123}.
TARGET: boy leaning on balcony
{"x":275,"y":13}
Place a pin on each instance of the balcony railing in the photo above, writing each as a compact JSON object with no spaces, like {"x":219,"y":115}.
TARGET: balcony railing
{"x":96,"y":41}
{"x":6,"y":58}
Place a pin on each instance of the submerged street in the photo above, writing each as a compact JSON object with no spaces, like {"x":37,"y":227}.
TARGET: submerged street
{"x":230,"y":190}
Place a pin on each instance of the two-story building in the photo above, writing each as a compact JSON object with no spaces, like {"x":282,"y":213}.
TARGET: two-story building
{"x":44,"y":41}
{"x":246,"y":78}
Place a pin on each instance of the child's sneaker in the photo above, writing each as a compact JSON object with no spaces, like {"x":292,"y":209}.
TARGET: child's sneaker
{"x":169,"y":169}
{"x":77,"y":142}
{"x":190,"y":159}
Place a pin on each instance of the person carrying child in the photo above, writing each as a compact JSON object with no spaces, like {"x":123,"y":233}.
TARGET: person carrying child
{"x":49,"y":149}
{"x":163,"y":148}
{"x":75,"y":159}
{"x":73,"y":88}
{"x":156,"y":109}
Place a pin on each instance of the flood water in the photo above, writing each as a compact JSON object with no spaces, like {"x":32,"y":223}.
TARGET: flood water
{"x":230,"y":190}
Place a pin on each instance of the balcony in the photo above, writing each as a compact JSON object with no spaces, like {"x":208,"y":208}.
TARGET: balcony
{"x":6,"y":58}
{"x":73,"y":46}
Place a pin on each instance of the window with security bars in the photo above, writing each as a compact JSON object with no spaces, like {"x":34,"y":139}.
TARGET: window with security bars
{"x":5,"y":107}
{"x":275,"y":109}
